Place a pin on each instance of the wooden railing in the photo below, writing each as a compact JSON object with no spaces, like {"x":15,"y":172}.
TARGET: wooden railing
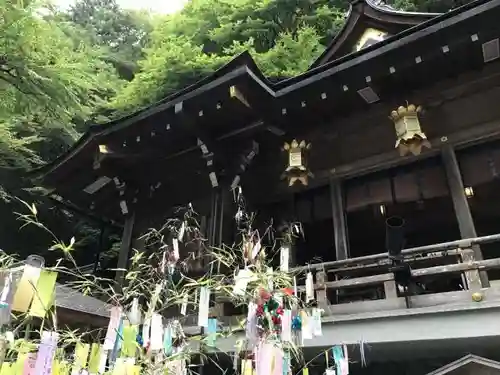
{"x":427,"y":262}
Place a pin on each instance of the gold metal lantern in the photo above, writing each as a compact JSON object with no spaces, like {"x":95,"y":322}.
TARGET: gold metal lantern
{"x":297,"y":170}
{"x":409,"y":135}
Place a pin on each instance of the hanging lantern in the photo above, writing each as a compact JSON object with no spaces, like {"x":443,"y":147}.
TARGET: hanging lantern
{"x":297,"y":170}
{"x":409,"y":134}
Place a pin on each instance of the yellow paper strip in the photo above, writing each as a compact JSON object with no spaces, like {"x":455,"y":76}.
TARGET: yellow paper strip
{"x":6,"y":369}
{"x":120,"y":367}
{"x":95,"y":358}
{"x":305,"y":371}
{"x":60,"y":367}
{"x":44,"y":293}
{"x":26,"y":289}
{"x":246,"y":367}
{"x":81,"y":355}
{"x":18,"y":366}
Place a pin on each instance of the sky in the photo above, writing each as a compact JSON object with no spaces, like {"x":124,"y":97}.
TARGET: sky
{"x":160,"y":6}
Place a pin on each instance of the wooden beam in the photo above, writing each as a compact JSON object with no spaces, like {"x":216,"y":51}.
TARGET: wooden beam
{"x":460,"y":203}
{"x":125,"y":247}
{"x":338,"y":216}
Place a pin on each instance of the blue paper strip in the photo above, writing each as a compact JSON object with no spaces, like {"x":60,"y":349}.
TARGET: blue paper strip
{"x":211,"y":331}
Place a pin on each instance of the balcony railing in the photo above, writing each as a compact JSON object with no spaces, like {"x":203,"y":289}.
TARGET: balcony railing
{"x":371,"y":274}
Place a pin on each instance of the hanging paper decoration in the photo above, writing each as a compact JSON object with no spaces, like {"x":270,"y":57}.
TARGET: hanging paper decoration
{"x":44,"y":294}
{"x":129,"y":347}
{"x":212,"y":332}
{"x":309,"y":287}
{"x":81,"y":356}
{"x":184,"y":305}
{"x":114,"y":322}
{"x":306,"y":330}
{"x":167,"y":340}
{"x":94,"y":359}
{"x":26,"y":288}
{"x":284,"y":258}
{"x":286,"y":325}
{"x":203,"y":308}
{"x":134,"y":315}
{"x":316,"y":322}
{"x":340,"y":359}
{"x":46,"y":351}
{"x":156,"y":338}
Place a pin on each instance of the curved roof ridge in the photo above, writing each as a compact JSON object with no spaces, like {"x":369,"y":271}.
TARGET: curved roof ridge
{"x":382,"y":6}
{"x":376,"y":10}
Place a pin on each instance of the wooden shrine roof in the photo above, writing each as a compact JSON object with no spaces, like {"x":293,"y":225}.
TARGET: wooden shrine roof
{"x":156,"y":152}
{"x":369,"y":15}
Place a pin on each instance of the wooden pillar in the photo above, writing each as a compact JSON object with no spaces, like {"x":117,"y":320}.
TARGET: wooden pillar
{"x":339,"y":222}
{"x":461,"y":205}
{"x":126,"y":244}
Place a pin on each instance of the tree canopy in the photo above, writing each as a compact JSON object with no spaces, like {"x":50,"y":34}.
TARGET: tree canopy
{"x":62,"y":70}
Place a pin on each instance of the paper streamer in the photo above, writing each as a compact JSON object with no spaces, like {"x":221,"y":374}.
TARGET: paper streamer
{"x":270,"y":278}
{"x":129,"y":346}
{"x":286,"y":363}
{"x":241,"y":281}
{"x":114,"y":323}
{"x":6,"y":369}
{"x":175,"y":245}
{"x":95,"y":358}
{"x":10,"y":283}
{"x":316,"y":322}
{"x":118,"y":343}
{"x":26,"y":289}
{"x":246,"y":367}
{"x":212,"y":332}
{"x":103,"y":360}
{"x":251,"y":324}
{"x":286,"y":325}
{"x":306,"y":326}
{"x":309,"y":287}
{"x":134,"y":315}
{"x":81,"y":355}
{"x":167,"y":340}
{"x":203,"y":307}
{"x":184,"y":305}
{"x":305,"y":371}
{"x":44,"y":294}
{"x":46,"y":351}
{"x":146,"y":328}
{"x":284,"y":258}
{"x":346,"y":359}
{"x":156,"y":332}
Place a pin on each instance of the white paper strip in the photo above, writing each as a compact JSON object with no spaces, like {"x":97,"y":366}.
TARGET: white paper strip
{"x":241,"y":281}
{"x":175,"y":245}
{"x":295,"y":287}
{"x":309,"y":287}
{"x":270,"y":278}
{"x":181,"y":231}
{"x":286,"y":325}
{"x":203,"y":307}
{"x":114,"y":322}
{"x":103,"y":359}
{"x":184,"y":305}
{"x":346,"y":359}
{"x":306,"y":326}
{"x":316,"y":322}
{"x":156,"y":332}
{"x":256,"y":249}
{"x":284,"y":258}
{"x":146,"y":328}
